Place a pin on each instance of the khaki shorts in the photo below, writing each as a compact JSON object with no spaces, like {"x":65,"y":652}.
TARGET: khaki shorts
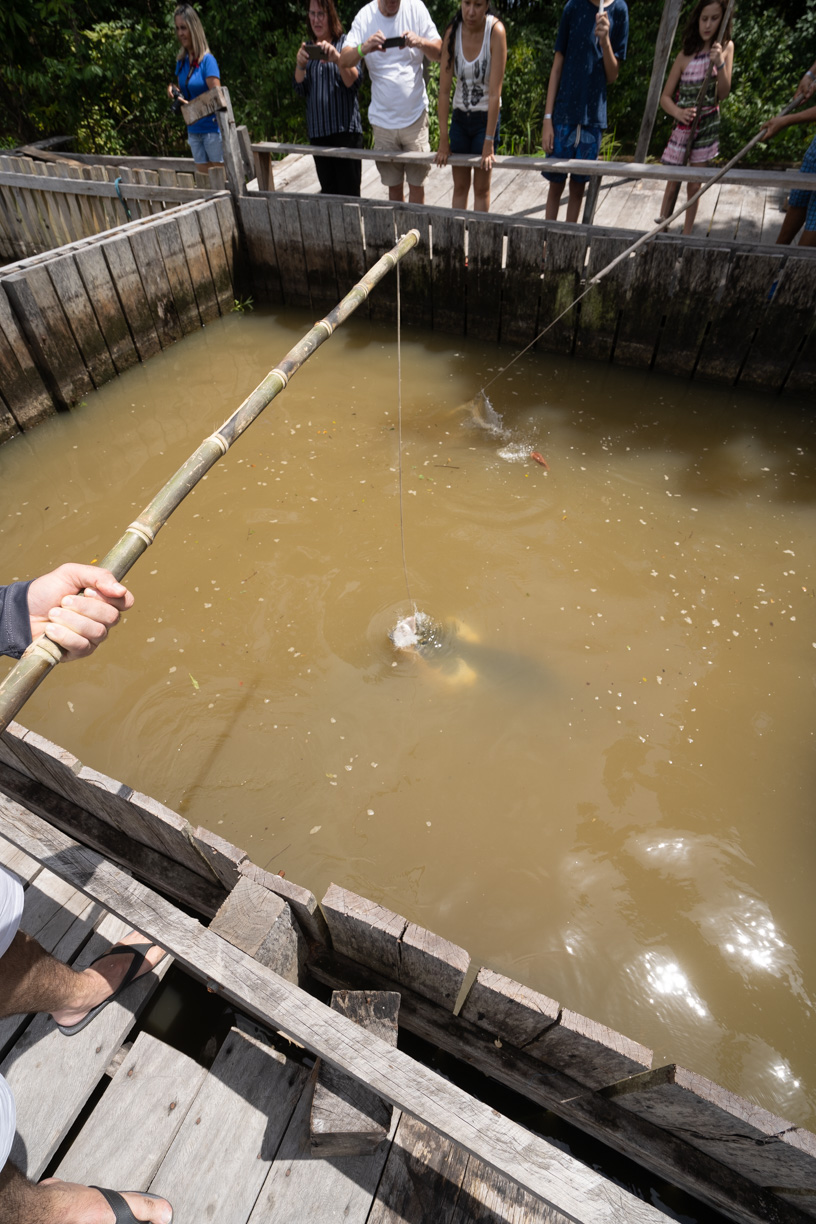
{"x":413,"y":139}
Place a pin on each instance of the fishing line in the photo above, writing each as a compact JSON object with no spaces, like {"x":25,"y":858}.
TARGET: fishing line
{"x":644,"y":238}
{"x":399,"y":439}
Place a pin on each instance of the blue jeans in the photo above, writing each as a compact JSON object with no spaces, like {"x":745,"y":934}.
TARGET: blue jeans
{"x":806,"y":199}
{"x":468,"y":130}
{"x":582,"y":141}
{"x":206,"y":147}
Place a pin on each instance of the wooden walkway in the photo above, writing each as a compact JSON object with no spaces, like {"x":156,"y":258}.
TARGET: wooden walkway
{"x":230,"y":1142}
{"x":726,"y":212}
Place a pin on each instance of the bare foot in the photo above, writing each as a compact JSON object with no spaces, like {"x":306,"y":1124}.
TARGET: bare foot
{"x":98,"y":983}
{"x":66,"y":1203}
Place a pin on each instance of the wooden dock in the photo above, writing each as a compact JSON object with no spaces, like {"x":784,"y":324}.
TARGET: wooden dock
{"x":729,"y":212}
{"x":95,"y":855}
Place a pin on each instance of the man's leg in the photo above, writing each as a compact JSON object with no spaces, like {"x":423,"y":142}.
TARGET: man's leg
{"x":397,"y":193}
{"x":55,"y":1202}
{"x":553,"y":200}
{"x":33,"y":981}
{"x":416,"y":193}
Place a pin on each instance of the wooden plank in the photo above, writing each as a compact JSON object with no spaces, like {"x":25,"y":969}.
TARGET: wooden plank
{"x":379,"y":224}
{"x":214,"y":246}
{"x":48,"y":334}
{"x":96,"y":277}
{"x":532,"y":1162}
{"x":224,"y":859}
{"x":178,"y":273}
{"x":301,"y":901}
{"x":193,"y":886}
{"x":251,"y":1092}
{"x":725,"y":221}
{"x":488,"y":1198}
{"x":421,"y":1178}
{"x":26,"y":187}
{"x":261,"y":924}
{"x":13,"y":240}
{"x":525,"y":257}
{"x":590,"y":1052}
{"x":739,"y":312}
{"x":54,"y":206}
{"x":802,"y":377}
{"x":348,"y":1119}
{"x":262,"y":257}
{"x":669,"y":20}
{"x":126,"y":1137}
{"x":742,"y":1136}
{"x":306,"y":1187}
{"x":318,"y":251}
{"x":507,"y":1009}
{"x":130,"y":291}
{"x":752,"y":215}
{"x":79,"y":312}
{"x":23,"y":388}
{"x":376,"y":936}
{"x":144,"y":243}
{"x":692,"y":302}
{"x":666,"y":1155}
{"x":449,"y":272}
{"x":415,"y":275}
{"x":601,"y":308}
{"x":643,"y":310}
{"x":233,"y":247}
{"x":50,"y":1088}
{"x":26,"y":198}
{"x":564,"y":254}
{"x":8,"y":426}
{"x":199,"y":267}
{"x":16,"y":861}
{"x":785,"y":321}
{"x":485,"y":279}
{"x":92,"y":202}
{"x":289,"y":246}
{"x":346,"y":224}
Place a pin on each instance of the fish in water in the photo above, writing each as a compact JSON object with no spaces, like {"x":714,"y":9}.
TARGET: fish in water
{"x":458,"y":657}
{"x":540,"y":459}
{"x":479,"y":413}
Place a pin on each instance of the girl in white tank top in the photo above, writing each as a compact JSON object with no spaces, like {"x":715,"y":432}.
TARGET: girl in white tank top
{"x":478,"y":34}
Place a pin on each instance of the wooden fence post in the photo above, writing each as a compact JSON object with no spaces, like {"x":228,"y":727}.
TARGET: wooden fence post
{"x":663,"y":46}
{"x":233,"y":157}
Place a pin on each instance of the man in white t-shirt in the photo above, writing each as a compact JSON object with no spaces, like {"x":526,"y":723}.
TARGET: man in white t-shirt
{"x":399,"y":102}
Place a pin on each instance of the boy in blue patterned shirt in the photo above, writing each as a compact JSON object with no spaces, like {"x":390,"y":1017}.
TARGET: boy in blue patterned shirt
{"x":590,"y":45}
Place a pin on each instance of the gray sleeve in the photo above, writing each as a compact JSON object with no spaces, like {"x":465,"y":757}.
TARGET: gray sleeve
{"x":15,"y":626}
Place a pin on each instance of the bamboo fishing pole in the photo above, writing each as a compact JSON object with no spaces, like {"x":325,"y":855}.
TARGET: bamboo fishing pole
{"x":43,"y":654}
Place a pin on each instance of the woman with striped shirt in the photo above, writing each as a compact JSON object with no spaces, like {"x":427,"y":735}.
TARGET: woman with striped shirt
{"x":332,"y":109}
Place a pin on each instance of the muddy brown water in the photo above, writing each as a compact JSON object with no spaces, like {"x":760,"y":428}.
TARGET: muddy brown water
{"x":610,"y":798}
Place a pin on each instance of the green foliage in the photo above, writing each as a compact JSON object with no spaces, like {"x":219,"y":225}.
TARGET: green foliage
{"x":242,"y":305}
{"x":100,"y":69}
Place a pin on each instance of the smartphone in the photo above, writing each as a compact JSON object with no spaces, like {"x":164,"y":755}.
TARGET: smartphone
{"x":393,"y":42}
{"x":315,"y":52}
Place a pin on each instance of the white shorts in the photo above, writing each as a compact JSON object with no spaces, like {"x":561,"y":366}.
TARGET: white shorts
{"x":11,"y":911}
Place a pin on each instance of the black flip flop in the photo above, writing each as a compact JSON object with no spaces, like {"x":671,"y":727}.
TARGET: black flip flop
{"x":139,"y":953}
{"x":121,"y":1212}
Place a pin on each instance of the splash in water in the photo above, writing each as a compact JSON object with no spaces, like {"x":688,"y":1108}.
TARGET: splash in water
{"x":480,"y":414}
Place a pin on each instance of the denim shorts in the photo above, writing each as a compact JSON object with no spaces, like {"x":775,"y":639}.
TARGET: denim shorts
{"x":571,"y":141}
{"x":206,"y":147}
{"x":468,"y":130}
{"x":806,"y":199}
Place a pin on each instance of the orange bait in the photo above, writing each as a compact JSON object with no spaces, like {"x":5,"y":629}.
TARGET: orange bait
{"x":540,"y":459}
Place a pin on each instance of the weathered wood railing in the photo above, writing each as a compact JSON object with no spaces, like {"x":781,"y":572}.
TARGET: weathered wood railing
{"x":73,"y":318}
{"x":747,"y":1163}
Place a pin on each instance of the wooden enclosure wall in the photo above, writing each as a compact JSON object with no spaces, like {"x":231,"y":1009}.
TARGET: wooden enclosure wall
{"x":754,"y":1167}
{"x":688,"y":307}
{"x":38,"y":213}
{"x":73,"y":318}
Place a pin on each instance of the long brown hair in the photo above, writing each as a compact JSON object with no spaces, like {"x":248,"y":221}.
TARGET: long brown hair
{"x":335,"y":24}
{"x":453,"y":26}
{"x":692,"y":42}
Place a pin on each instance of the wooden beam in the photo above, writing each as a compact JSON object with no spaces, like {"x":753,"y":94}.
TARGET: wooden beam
{"x":666,"y":1155}
{"x":533,"y":1163}
{"x":663,"y":46}
{"x":604,"y":169}
{"x":130,"y":191}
